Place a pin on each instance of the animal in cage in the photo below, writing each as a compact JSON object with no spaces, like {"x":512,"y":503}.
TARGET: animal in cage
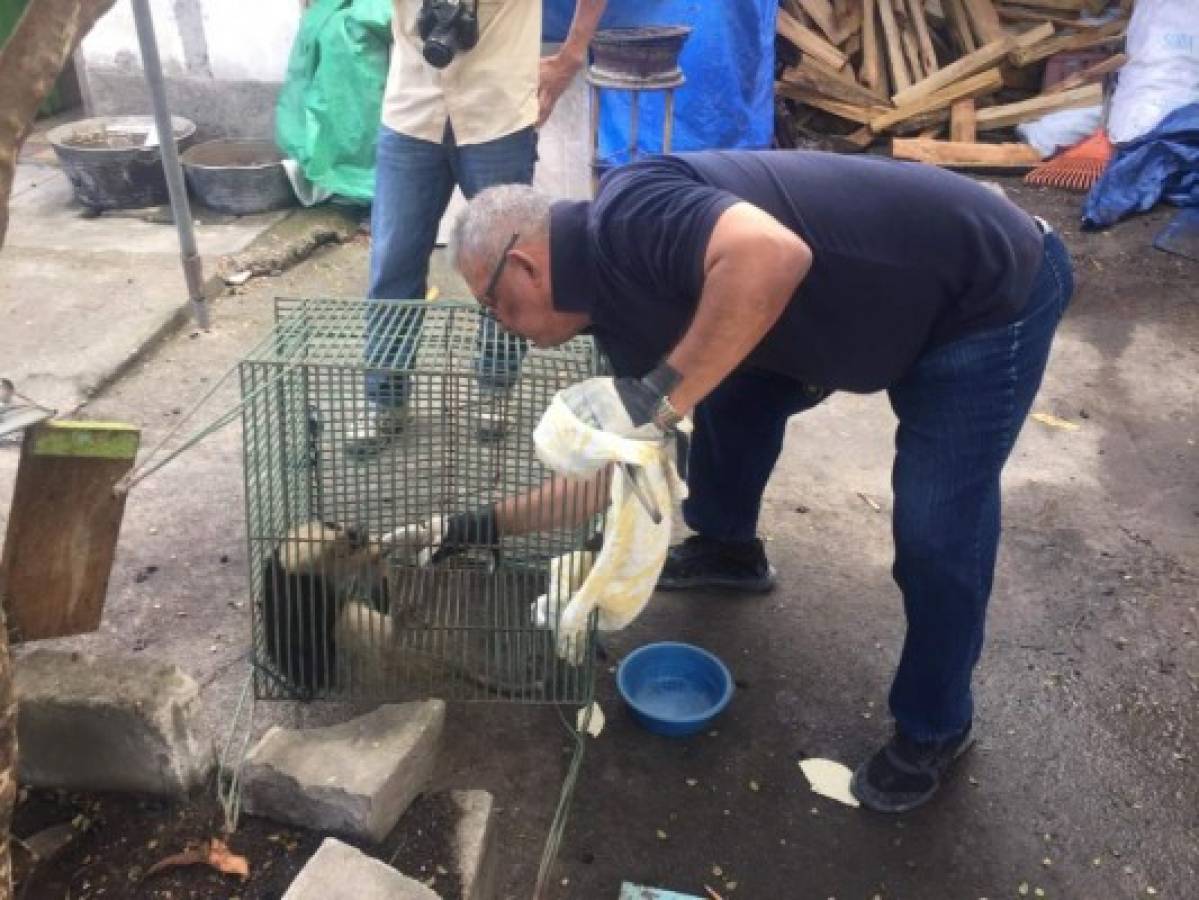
{"x":346,"y":600}
{"x":309,"y":578}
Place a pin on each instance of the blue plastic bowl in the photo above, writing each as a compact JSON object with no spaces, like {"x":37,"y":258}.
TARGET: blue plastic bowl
{"x":674,"y":689}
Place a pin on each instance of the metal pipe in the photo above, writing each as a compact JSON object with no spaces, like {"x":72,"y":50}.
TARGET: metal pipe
{"x":193,"y":266}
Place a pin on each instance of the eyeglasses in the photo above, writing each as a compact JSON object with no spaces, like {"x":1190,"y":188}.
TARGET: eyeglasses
{"x":488,"y":292}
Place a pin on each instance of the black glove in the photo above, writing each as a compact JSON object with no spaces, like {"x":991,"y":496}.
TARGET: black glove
{"x":478,"y":529}
{"x":642,"y":396}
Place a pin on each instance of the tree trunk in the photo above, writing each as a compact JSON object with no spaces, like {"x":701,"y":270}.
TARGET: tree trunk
{"x":30,"y":62}
{"x":8,"y":759}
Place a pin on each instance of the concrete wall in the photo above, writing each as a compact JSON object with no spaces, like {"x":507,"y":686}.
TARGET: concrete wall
{"x":223,"y":61}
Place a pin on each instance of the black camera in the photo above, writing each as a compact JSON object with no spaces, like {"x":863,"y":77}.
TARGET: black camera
{"x":446,"y":26}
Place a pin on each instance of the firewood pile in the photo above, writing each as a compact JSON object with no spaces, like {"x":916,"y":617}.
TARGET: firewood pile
{"x":938,"y":80}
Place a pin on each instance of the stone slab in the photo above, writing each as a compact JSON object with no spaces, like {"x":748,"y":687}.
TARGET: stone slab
{"x":354,"y":779}
{"x":108,"y":723}
{"x":339,"y":872}
{"x":474,"y":844}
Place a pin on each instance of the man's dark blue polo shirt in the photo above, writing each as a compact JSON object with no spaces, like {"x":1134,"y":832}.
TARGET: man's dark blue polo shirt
{"x":904,"y":257}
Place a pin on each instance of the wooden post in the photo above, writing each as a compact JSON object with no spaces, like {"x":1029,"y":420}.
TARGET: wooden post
{"x":63,"y":528}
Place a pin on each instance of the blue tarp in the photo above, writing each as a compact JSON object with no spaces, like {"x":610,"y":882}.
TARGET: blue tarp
{"x":1161,"y":165}
{"x":728,"y":100}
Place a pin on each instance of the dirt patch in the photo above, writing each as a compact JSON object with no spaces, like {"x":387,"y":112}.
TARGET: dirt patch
{"x":119,"y":838}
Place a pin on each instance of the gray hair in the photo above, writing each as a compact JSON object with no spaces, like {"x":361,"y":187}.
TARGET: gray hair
{"x":484,"y":228}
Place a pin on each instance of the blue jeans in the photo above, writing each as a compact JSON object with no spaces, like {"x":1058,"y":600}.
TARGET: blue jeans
{"x":414,"y":180}
{"x":960,"y":409}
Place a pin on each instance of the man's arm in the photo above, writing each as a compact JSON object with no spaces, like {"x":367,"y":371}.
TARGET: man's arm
{"x":558,"y":70}
{"x":752,"y":267}
{"x":557,"y":503}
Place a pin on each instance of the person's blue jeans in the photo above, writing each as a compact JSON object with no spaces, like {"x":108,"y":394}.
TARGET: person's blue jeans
{"x":960,"y":409}
{"x":414,"y":180}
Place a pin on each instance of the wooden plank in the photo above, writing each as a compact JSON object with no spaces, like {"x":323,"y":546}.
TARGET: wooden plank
{"x":852,"y":112}
{"x":1015,"y":113}
{"x":955,"y":15}
{"x":928,"y":56}
{"x":821,"y":12}
{"x":820,"y":79}
{"x":848,"y":25}
{"x":1090,"y":37}
{"x":956,"y":155}
{"x":900,"y":79}
{"x":931,"y":131}
{"x":1019,"y":14}
{"x":1032,"y":36}
{"x":63,"y":526}
{"x":872,"y":69}
{"x":1092,"y":6}
{"x":911,"y":52}
{"x":1093,"y":72}
{"x":984,"y":20}
{"x":979,"y":85}
{"x":808,"y":41}
{"x":983,"y":58}
{"x":961,"y":121}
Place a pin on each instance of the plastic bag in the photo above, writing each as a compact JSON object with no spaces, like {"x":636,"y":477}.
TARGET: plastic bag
{"x":1063,"y":128}
{"x":1162,"y":72}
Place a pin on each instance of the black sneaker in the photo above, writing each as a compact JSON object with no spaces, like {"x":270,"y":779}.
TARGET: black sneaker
{"x":701,"y":562}
{"x":904,"y":774}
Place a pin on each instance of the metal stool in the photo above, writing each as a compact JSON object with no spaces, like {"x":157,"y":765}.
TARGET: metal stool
{"x":635,"y":60}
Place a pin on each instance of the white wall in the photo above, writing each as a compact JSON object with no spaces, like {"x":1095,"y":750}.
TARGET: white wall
{"x":224,"y":40}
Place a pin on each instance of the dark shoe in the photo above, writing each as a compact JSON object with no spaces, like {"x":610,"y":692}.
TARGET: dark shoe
{"x":701,"y":562}
{"x":904,"y":774}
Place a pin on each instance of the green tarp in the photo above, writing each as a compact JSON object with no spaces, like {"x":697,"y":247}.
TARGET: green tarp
{"x":328,"y":113}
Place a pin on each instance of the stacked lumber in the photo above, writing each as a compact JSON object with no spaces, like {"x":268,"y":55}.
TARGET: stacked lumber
{"x":853,"y":72}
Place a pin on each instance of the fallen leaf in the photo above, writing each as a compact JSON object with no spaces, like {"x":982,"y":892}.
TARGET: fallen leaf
{"x":661,"y":835}
{"x":829,"y":779}
{"x":1054,"y":422}
{"x":214,"y":853}
{"x":712,"y":893}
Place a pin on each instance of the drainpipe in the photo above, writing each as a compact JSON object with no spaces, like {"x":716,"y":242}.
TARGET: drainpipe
{"x":193,"y":266}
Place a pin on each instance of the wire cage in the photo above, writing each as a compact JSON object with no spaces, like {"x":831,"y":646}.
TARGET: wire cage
{"x":362,"y":421}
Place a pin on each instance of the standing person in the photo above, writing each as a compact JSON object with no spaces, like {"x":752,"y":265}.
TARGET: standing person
{"x":462,"y":105}
{"x":742,"y":288}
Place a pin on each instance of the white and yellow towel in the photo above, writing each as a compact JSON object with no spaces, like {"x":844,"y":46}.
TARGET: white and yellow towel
{"x":619,"y":579}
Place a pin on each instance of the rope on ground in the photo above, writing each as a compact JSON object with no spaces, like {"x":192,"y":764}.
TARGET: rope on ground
{"x":228,"y":780}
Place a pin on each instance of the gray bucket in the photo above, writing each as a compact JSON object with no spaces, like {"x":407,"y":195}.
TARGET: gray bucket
{"x":108,"y":163}
{"x":238,"y":176}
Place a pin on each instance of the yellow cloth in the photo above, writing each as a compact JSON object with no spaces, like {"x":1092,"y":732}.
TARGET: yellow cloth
{"x":618,"y":581}
{"x":486,"y":93}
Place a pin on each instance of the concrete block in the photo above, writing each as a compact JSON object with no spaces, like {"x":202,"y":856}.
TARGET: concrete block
{"x":356,"y":778}
{"x":339,"y":872}
{"x":474,"y":844}
{"x":108,"y":723}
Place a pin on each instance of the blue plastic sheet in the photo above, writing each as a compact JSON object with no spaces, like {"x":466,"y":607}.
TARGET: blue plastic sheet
{"x":728,"y":100}
{"x":1162,"y":165}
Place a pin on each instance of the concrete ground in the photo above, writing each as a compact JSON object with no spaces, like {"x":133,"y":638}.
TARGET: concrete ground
{"x":1084,"y":781}
{"x":80,"y":294}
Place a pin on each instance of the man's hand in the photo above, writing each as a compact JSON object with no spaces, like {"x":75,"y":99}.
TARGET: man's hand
{"x":554,"y":78}
{"x":628,"y":407}
{"x":465,"y":531}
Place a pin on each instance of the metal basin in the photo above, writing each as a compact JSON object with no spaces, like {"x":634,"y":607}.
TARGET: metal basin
{"x":647,"y":55}
{"x":108,"y":162}
{"x":238,"y":176}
